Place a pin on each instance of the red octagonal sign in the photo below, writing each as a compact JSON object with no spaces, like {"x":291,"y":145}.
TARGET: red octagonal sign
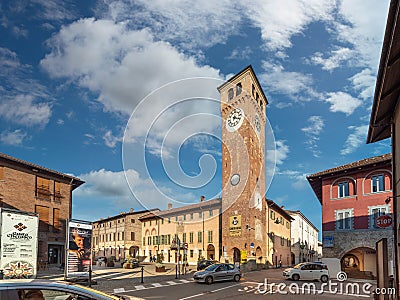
{"x":383,"y":221}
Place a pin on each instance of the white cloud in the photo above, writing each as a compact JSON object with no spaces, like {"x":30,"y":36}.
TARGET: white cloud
{"x":279,"y":154}
{"x":299,"y":180}
{"x":364,"y":82}
{"x":337,"y":56}
{"x":241,"y":53}
{"x":296,"y":85}
{"x":316,"y":125}
{"x":355,"y":139}
{"x":312,"y":132}
{"x":111,"y":140}
{"x":206,"y":23}
{"x":363,"y":27}
{"x":123,"y":66}
{"x":280,"y":20}
{"x":25,"y":100}
{"x":342,"y":102}
{"x":13,"y":138}
{"x":105,"y":186}
{"x":24,"y":110}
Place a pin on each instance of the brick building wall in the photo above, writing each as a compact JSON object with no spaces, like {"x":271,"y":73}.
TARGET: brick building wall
{"x":28,"y":187}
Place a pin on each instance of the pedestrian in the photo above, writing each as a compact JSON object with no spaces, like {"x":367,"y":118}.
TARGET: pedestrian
{"x":280,"y":263}
{"x":154,"y":258}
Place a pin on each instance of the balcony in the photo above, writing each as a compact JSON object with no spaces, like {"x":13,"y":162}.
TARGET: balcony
{"x":43,"y":193}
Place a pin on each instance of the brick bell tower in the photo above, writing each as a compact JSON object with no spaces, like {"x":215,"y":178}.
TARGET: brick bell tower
{"x":243,"y":107}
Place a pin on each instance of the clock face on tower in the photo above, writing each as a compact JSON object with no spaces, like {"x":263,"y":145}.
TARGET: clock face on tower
{"x":235,"y":119}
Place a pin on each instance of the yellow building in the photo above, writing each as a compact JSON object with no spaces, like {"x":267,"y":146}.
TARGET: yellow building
{"x":118,"y":235}
{"x":196,"y":226}
{"x":279,"y":235}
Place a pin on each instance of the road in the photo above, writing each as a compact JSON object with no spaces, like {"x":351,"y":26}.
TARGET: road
{"x":254,"y":285}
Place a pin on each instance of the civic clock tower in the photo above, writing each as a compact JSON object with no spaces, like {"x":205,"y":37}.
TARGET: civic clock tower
{"x":243,"y":108}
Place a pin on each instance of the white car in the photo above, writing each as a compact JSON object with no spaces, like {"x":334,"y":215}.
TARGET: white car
{"x":308,"y":271}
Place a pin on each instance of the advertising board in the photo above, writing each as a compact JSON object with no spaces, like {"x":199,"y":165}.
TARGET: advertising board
{"x":79,"y":253}
{"x":18,"y":244}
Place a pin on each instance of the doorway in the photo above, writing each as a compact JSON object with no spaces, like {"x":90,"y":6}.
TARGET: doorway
{"x":55,"y":254}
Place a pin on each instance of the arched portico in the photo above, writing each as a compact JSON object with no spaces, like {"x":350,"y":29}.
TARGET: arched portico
{"x":359,"y":261}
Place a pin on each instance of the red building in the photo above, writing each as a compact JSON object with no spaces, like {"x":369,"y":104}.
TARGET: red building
{"x":353,"y":198}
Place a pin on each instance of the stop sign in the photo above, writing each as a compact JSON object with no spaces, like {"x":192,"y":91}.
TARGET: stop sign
{"x":383,"y":221}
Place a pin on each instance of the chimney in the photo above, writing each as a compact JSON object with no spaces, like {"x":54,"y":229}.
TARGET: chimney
{"x":131,"y":210}
{"x":202,"y":198}
{"x":169,"y":205}
{"x":283,"y":207}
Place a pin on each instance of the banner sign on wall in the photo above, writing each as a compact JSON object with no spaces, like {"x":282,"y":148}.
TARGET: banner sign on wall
{"x":235,"y":225}
{"x":18,"y":245}
{"x":79,"y":248}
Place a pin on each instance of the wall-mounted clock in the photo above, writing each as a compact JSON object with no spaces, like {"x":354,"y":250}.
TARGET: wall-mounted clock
{"x":235,"y":119}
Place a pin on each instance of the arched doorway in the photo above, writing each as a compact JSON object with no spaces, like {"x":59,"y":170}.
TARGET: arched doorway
{"x":350,"y":262}
{"x":359,"y":262}
{"x":293,"y":258}
{"x":211,"y":252}
{"x":236,"y":255}
{"x":134,"y":251}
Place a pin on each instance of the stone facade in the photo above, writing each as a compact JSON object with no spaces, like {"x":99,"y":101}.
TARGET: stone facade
{"x":119,"y":235}
{"x":32,"y":188}
{"x":198,"y":225}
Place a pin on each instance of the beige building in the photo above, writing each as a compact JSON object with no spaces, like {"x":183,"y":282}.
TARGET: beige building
{"x":118,"y":235}
{"x":278,"y":235}
{"x":197,"y":225}
{"x":304,"y":239}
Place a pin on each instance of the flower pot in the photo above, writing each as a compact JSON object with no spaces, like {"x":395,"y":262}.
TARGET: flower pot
{"x":110,"y":264}
{"x":127,"y":266}
{"x":160,"y":269}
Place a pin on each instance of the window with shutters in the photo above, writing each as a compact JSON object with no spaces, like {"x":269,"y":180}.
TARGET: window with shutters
{"x":57,"y":192}
{"x":210,"y":236}
{"x":44,"y":213}
{"x":132,"y":236}
{"x":191,"y":237}
{"x":344,"y":219}
{"x":200,"y":237}
{"x":56,"y":219}
{"x":43,"y":188}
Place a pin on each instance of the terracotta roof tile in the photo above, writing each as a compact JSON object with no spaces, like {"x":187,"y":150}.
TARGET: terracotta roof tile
{"x":356,"y":164}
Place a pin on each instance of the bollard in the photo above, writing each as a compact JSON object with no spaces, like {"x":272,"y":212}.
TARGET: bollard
{"x":90,"y":276}
{"x":141,"y":281}
{"x":1,"y":274}
{"x":176,"y":272}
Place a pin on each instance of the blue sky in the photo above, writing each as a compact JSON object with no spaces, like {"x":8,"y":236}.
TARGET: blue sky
{"x":73,"y":73}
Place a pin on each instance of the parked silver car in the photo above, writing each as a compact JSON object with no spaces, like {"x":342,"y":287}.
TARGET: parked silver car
{"x":218,"y":272}
{"x":17,"y":289}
